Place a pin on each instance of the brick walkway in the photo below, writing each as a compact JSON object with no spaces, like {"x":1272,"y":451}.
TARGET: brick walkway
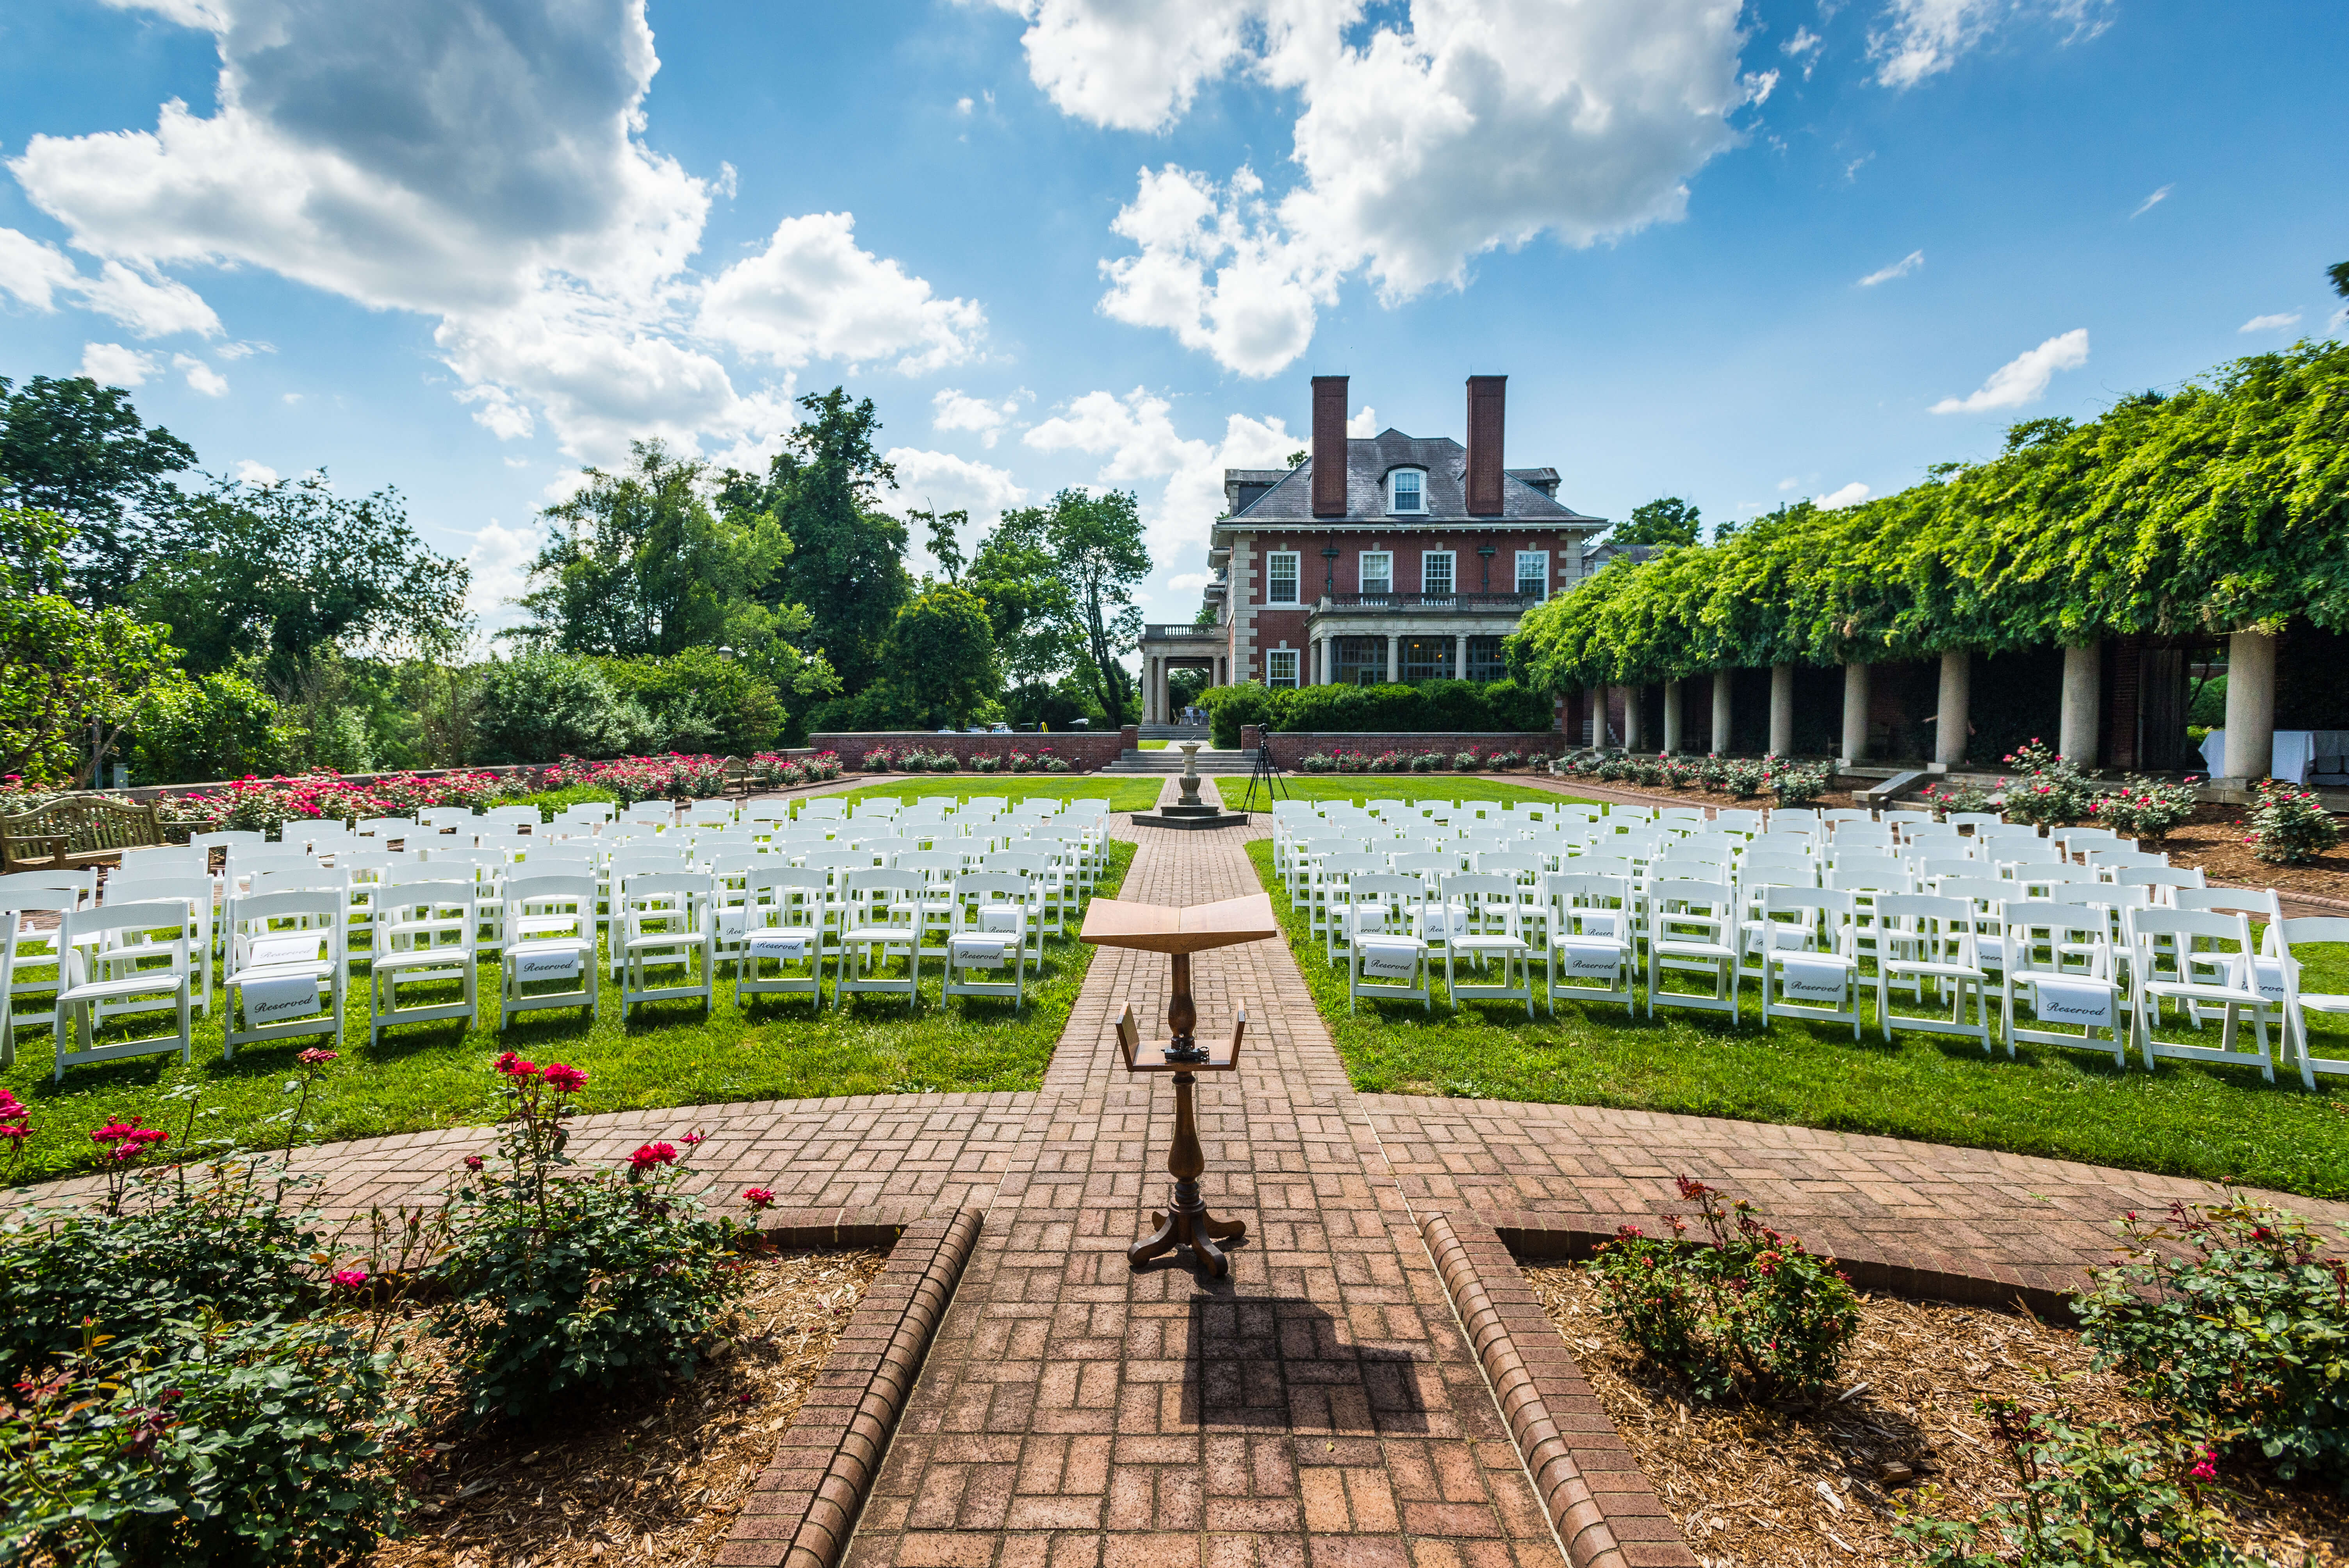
{"x":1321,"y":1407}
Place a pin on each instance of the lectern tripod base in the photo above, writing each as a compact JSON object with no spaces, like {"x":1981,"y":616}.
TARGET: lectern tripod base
{"x":1185,"y":1222}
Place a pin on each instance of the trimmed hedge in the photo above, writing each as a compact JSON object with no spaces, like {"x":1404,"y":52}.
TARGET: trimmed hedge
{"x":1447,"y":706}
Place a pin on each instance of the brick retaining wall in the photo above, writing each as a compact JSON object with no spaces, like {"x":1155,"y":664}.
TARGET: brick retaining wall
{"x":1291,"y":747}
{"x":1087,"y":751}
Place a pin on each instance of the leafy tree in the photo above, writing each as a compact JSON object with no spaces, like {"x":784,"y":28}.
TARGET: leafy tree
{"x":1667,"y":519}
{"x":186,"y":730}
{"x":940,"y":655}
{"x":1206,"y":618}
{"x":1097,"y":555}
{"x":641,"y":565}
{"x":541,"y":706}
{"x":1297,"y":459}
{"x":700,"y":699}
{"x":946,"y":542}
{"x":70,"y":676}
{"x":285,"y":570}
{"x":1013,"y":573}
{"x":847,"y":557}
{"x":78,"y":449}
{"x":2339,"y":273}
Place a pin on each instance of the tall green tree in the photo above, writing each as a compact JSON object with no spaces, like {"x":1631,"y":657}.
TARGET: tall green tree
{"x":71,"y":677}
{"x":281,"y":571}
{"x":641,"y":564}
{"x":940,"y":655}
{"x":1013,"y":573}
{"x":847,"y":562}
{"x":1097,"y":552}
{"x":1667,"y":520}
{"x":73,"y":448}
{"x":944,"y":529}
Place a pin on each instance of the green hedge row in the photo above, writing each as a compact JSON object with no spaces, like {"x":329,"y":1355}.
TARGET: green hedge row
{"x":1430,"y":706}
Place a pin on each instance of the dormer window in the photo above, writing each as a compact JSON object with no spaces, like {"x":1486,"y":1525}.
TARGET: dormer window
{"x":1407,"y":491}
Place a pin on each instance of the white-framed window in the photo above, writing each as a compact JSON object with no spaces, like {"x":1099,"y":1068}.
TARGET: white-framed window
{"x":1435,"y":573}
{"x":1378,"y":572}
{"x":1280,"y":577}
{"x":1533,"y":574}
{"x":1407,"y":491}
{"x":1280,"y":667}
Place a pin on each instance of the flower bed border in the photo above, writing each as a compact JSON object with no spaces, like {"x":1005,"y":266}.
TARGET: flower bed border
{"x":802,"y":1509}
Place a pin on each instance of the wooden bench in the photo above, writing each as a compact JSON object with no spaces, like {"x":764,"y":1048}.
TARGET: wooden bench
{"x":69,"y":834}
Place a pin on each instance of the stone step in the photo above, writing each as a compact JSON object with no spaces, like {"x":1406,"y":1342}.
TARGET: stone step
{"x":1171,"y":761}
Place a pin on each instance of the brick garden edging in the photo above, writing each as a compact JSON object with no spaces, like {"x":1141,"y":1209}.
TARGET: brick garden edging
{"x":1085,"y":750}
{"x":803,"y":1508}
{"x":1291,"y":747}
{"x":1599,"y":1500}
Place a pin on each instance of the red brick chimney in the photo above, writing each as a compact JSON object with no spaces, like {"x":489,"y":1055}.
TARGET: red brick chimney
{"x":1330,"y":446}
{"x":1487,"y":396}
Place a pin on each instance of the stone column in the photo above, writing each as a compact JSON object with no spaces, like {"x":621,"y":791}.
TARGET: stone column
{"x":2083,"y":683}
{"x":2250,"y":705}
{"x":1633,"y":741}
{"x":1460,"y":657}
{"x":1781,"y":709}
{"x":1594,"y":708}
{"x":1949,"y":726}
{"x":1672,"y":718}
{"x":1394,"y":657}
{"x":1854,"y":713}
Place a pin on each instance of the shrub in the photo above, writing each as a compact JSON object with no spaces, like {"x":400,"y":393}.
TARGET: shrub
{"x":539,"y":706}
{"x":1425,"y":761}
{"x":2052,"y":792}
{"x":1793,"y":783}
{"x":560,"y":1282}
{"x":1752,"y":1313}
{"x":1467,"y":761}
{"x":1320,"y":762}
{"x":1500,"y":761}
{"x":216,"y":1442}
{"x":2088,"y":1494}
{"x":1742,"y":776}
{"x":221,"y":727}
{"x":1021,"y":762}
{"x":990,"y":763}
{"x":2288,"y":824}
{"x":2145,"y":808}
{"x":1941,"y":800}
{"x":1648,"y":771}
{"x":1430,"y":706}
{"x":945,"y":762}
{"x":1352,"y":762}
{"x":2248,"y":1330}
{"x":877,"y":760}
{"x":1712,"y":773}
{"x":1052,"y":764}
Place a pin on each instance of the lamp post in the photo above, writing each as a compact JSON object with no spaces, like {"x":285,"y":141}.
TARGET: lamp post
{"x":1328,"y":570}
{"x":1487,"y":550}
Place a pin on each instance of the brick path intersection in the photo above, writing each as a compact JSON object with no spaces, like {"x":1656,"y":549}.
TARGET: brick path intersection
{"x":1322,"y":1407}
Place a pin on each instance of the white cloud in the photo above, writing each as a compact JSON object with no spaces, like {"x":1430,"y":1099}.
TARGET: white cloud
{"x":499,"y":559}
{"x":1461,"y":128}
{"x":1136,"y":437}
{"x":951,"y":409}
{"x":1805,"y":42}
{"x":249,"y":472}
{"x":2275,"y":322}
{"x":1187,"y":582}
{"x":962,"y":106}
{"x":146,"y":302}
{"x":111,"y":365}
{"x":1899,"y":269}
{"x":1919,"y":38}
{"x":2023,"y":379}
{"x":243,"y":350}
{"x":1364,"y":424}
{"x":201,"y":377}
{"x":1851,"y":494}
{"x":811,"y":293}
{"x":2150,"y":202}
{"x":942,"y":482}
{"x":482,"y":165}
{"x":2333,"y":323}
{"x":1785,"y":484}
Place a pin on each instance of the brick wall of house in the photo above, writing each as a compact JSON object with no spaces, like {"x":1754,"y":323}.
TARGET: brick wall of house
{"x":1343,"y":575}
{"x":1291,"y":747}
{"x":1085,"y":751}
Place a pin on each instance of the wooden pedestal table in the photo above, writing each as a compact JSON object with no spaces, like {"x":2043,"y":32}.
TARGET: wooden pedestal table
{"x":1178,"y":933}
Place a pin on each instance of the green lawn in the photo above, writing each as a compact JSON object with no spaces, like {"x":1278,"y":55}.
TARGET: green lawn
{"x":436,"y":1074}
{"x":1153,"y":745}
{"x":2219,"y":1123}
{"x":1122,"y":793}
{"x":1395,"y":787}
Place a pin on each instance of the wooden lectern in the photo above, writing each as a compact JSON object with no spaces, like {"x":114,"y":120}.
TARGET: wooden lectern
{"x":1178,"y":933}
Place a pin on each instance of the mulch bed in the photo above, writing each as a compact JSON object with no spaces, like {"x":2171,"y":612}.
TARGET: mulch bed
{"x":2214,"y":840}
{"x":1761,"y":1486}
{"x":657,"y":1481}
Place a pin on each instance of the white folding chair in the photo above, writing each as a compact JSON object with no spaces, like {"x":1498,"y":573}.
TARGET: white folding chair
{"x":288,"y":978}
{"x":1692,"y":926}
{"x":1487,"y":928}
{"x":1925,"y":943}
{"x":89,"y":976}
{"x":1387,"y":960}
{"x":2058,"y":961}
{"x":2280,"y":944}
{"x":1810,"y":962}
{"x":30,"y":948}
{"x":445,"y":818}
{"x":550,"y":923}
{"x":993,"y":913}
{"x":426,"y":938}
{"x":661,"y":921}
{"x":784,"y":928}
{"x":1590,"y":939}
{"x":194,"y":890}
{"x":2200,"y":960}
{"x":880,"y":918}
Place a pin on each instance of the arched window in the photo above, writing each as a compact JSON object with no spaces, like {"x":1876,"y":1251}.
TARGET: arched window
{"x":1407,"y":491}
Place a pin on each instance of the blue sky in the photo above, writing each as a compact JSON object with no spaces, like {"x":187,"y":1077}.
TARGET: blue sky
{"x":1738,"y":255}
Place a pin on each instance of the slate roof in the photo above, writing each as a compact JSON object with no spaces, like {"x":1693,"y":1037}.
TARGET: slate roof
{"x":1290,"y":501}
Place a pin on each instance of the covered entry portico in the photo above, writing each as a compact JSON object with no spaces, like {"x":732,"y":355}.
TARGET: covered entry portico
{"x":1165,"y":649}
